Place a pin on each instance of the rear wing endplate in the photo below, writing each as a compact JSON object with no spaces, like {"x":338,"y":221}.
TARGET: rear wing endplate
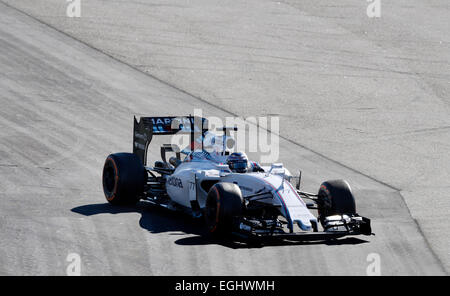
{"x":147,"y":127}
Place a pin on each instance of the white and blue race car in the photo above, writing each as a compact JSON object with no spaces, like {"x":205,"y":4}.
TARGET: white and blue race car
{"x":234,"y":195}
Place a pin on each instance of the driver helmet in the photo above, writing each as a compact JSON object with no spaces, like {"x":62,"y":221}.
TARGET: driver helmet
{"x":238,"y":162}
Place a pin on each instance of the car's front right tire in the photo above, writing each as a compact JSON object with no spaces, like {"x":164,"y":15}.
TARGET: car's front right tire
{"x":335,"y":198}
{"x":124,"y":178}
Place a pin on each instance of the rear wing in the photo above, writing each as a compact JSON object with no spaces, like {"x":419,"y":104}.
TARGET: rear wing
{"x":147,"y":127}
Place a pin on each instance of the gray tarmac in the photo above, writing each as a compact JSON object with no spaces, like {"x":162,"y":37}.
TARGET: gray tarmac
{"x":358,"y":98}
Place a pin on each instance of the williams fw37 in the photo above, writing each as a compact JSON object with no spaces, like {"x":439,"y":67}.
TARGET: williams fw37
{"x":233,"y":194}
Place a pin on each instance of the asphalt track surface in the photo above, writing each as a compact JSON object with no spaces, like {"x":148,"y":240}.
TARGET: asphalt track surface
{"x":65,"y":106}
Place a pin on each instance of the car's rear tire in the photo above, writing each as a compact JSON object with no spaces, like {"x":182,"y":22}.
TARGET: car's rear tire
{"x":335,"y":198}
{"x":124,"y":178}
{"x":224,"y":207}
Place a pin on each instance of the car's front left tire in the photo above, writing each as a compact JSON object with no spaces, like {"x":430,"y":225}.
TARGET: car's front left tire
{"x":224,"y":207}
{"x":124,"y":178}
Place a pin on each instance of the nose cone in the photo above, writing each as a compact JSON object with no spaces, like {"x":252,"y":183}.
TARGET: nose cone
{"x":304,"y":225}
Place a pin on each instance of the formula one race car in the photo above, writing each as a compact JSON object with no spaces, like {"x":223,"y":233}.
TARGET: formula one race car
{"x":234,"y":195}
